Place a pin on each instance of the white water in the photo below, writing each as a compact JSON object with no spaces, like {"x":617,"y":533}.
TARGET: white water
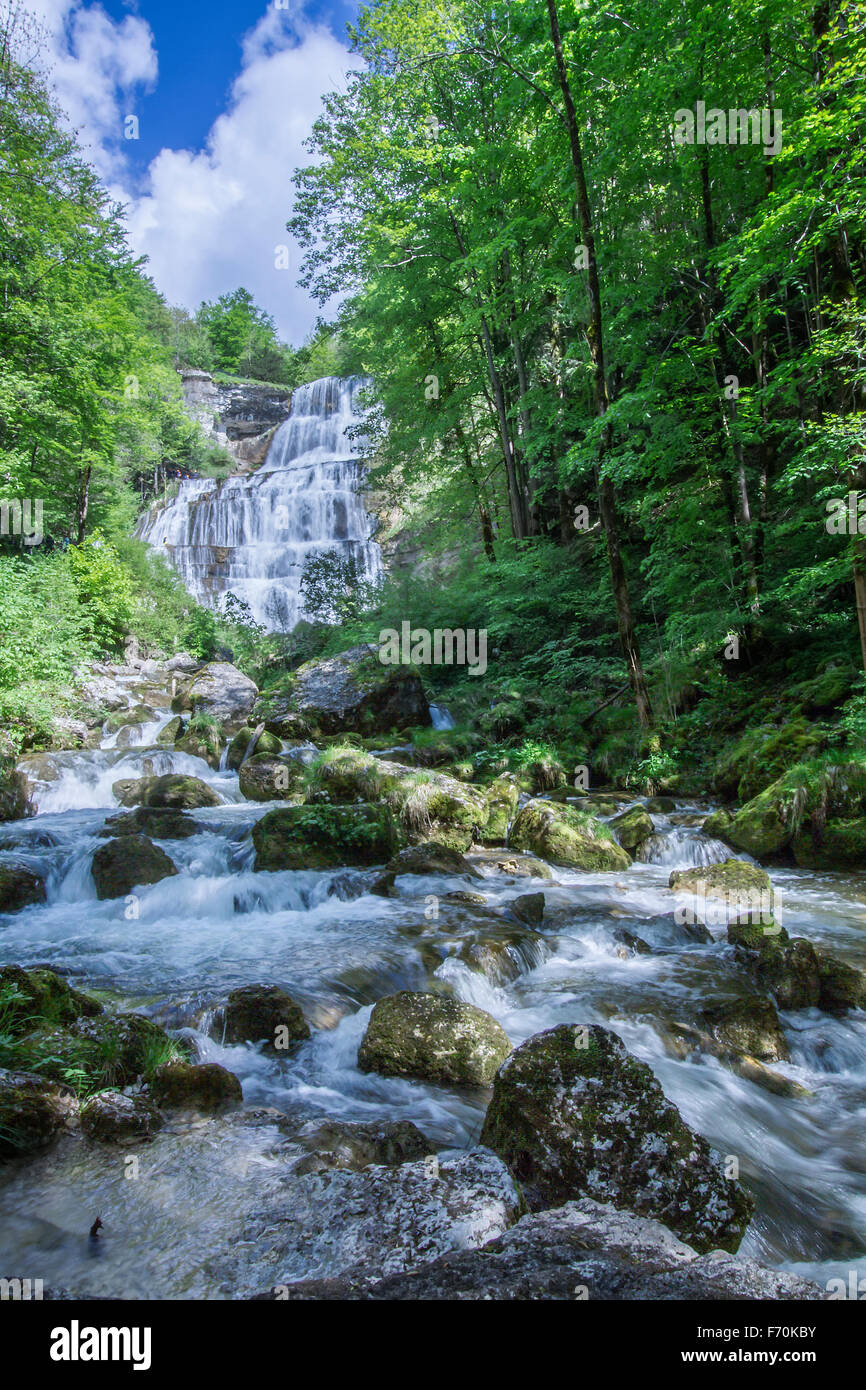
{"x":251,"y":535}
{"x":337,"y":948}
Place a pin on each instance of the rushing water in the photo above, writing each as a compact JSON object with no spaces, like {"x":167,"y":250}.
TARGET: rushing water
{"x":251,"y":535}
{"x":337,"y":948}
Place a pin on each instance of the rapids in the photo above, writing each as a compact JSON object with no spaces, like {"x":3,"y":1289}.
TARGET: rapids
{"x":337,"y":948}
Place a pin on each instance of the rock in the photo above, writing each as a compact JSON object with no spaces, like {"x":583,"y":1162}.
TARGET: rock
{"x":256,"y":1012}
{"x":110,"y":1050}
{"x":202,"y":742}
{"x":586,"y":1250}
{"x":15,"y":790}
{"x":174,"y":791}
{"x":239,"y":748}
{"x":632,"y":827}
{"x":788,"y":968}
{"x":470,"y":899}
{"x":171,"y":731}
{"x":42,"y":995}
{"x":503,"y":799}
{"x":114,"y":1118}
{"x":207,"y":1087}
{"x":431,"y":858}
{"x":841,"y":986}
{"x":264,"y":777}
{"x":354,"y":1146}
{"x":502,"y":953}
{"x":661,"y":805}
{"x":182,"y":661}
{"x":126,"y":863}
{"x":568,"y":837}
{"x":433,"y":1038}
{"x":747,"y":1026}
{"x":523,"y":866}
{"x":529,"y":908}
{"x":574,"y":1115}
{"x":351,"y":692}
{"x":631,"y":944}
{"x":718,"y":893}
{"x":157,"y":822}
{"x":841,"y":844}
{"x":33,"y":1111}
{"x":324,"y":837}
{"x":20,"y":887}
{"x":545,"y":774}
{"x":225,"y":693}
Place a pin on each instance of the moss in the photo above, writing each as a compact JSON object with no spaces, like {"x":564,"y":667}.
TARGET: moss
{"x":324,"y":837}
{"x":632,"y":827}
{"x":761,"y":755}
{"x":567,"y":836}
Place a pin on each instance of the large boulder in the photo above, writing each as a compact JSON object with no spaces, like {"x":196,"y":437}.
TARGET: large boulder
{"x":207,"y":1087}
{"x":585,"y":1251}
{"x":264,"y":777}
{"x":114,"y":1118}
{"x":431,"y":858}
{"x":248,"y":741}
{"x":353,"y":692}
{"x":632,"y":827}
{"x":815,"y":811}
{"x":157,"y":822}
{"x":716,"y":893}
{"x":573,"y":1114}
{"x":567,"y":836}
{"x":749,"y":1027}
{"x":41,"y":995}
{"x":433,"y":1038}
{"x":20,"y":886}
{"x":324,"y":837}
{"x":33,"y":1111}
{"x":173,"y":791}
{"x":264,"y":1012}
{"x":222,"y":691}
{"x":128,"y":862}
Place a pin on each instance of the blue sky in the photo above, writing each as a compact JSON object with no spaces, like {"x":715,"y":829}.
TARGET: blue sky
{"x":225,"y":94}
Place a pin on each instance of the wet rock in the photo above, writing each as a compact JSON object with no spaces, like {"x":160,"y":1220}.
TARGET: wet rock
{"x":731,"y":879}
{"x":433,"y":1038}
{"x":207,"y":1087}
{"x":157,"y":822}
{"x":324,"y":837}
{"x":203,"y":742}
{"x":223,"y":692}
{"x":264,"y":777}
{"x":15,"y":789}
{"x":661,"y":805}
{"x":503,"y":799}
{"x":567,"y":836}
{"x":42,"y":995}
{"x":631,"y":944}
{"x":842,"y":987}
{"x":256,"y":1012}
{"x":351,"y":692}
{"x":632,"y":827}
{"x":262,"y":742}
{"x":470,"y":899}
{"x":33,"y":1111}
{"x":430,"y":858}
{"x":20,"y":887}
{"x":583,"y":1249}
{"x":523,"y":866}
{"x":788,"y":967}
{"x":109,"y":1050}
{"x":114,"y":1118}
{"x":503,"y":953}
{"x":345,"y":1145}
{"x":173,"y":791}
{"x":574,"y":1115}
{"x":171,"y":731}
{"x":126,"y":863}
{"x":182,"y":661}
{"x":749,"y":1026}
{"x":529,"y":908}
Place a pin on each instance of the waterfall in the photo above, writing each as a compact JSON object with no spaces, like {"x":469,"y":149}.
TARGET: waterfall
{"x":251,"y":534}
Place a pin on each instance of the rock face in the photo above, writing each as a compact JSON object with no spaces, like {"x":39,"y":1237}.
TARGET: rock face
{"x":352,"y":692}
{"x":574,"y":1115}
{"x":174,"y":791}
{"x":238,"y":415}
{"x":256,"y":1012}
{"x":567,"y":836}
{"x":33,"y":1112}
{"x":126,"y":863}
{"x":433,"y":1038}
{"x":115,"y":1118}
{"x":225,"y":693}
{"x":19,"y":887}
{"x":324,"y":837}
{"x":584,"y":1250}
{"x":208,"y":1087}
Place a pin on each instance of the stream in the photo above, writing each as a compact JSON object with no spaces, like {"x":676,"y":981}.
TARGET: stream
{"x":177,"y":947}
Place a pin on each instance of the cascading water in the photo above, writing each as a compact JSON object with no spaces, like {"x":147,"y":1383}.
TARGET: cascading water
{"x":252,"y":535}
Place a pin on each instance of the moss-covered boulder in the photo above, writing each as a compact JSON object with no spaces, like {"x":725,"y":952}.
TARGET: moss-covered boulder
{"x":33,"y":1112}
{"x":528,"y":908}
{"x":761,"y":755}
{"x":731,"y":890}
{"x":632,"y":827}
{"x":265,"y":777}
{"x":661,"y":805}
{"x":567,"y":836}
{"x":114,"y":1118}
{"x":202,"y":741}
{"x":574,"y":1115}
{"x":110,"y":1050}
{"x":502,"y":800}
{"x":842,"y":986}
{"x":748,"y":1026}
{"x":174,"y":790}
{"x":157,"y":822}
{"x":431,"y":858}
{"x":838,"y":844}
{"x":352,"y":692}
{"x":171,"y":731}
{"x":207,"y":1087}
{"x":128,"y":862}
{"x":20,"y":886}
{"x":324,"y":837}
{"x":788,"y":967}
{"x":815,"y":810}
{"x":256,"y":1013}
{"x":239,"y":748}
{"x":38,"y":996}
{"x":433,"y":1038}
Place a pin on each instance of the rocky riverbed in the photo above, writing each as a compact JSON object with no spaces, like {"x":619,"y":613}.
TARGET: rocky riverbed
{"x":297,"y":1017}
